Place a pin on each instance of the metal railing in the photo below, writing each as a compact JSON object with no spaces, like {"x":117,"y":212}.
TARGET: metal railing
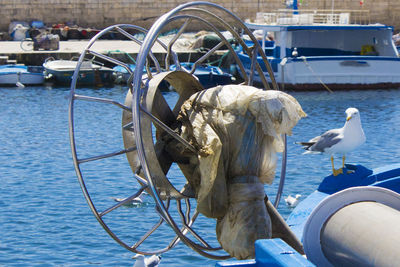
{"x":309,"y":16}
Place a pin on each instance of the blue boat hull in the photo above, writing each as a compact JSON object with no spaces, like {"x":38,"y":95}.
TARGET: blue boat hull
{"x":209,"y":76}
{"x":92,"y":77}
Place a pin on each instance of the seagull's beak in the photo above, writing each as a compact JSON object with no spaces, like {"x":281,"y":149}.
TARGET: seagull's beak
{"x":348,"y":118}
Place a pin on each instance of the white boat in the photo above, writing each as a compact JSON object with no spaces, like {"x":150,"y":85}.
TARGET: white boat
{"x":61,"y":72}
{"x":21,"y":75}
{"x":306,"y":55}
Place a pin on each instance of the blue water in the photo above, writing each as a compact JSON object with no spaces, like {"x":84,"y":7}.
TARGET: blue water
{"x":45,"y":220}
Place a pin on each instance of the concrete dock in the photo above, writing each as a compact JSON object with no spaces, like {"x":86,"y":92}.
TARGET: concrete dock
{"x":71,"y":48}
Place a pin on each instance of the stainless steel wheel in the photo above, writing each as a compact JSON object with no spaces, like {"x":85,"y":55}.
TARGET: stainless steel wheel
{"x":148,"y":119}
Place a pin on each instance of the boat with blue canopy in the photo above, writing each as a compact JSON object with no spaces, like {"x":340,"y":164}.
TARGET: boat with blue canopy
{"x":208,"y":75}
{"x":307,"y":52}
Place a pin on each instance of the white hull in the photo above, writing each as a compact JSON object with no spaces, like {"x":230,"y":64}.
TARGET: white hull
{"x":341,"y":56}
{"x":342,"y":71}
{"x":351,"y":72}
{"x":22,"y":77}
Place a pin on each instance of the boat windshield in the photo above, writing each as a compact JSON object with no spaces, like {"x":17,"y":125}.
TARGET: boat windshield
{"x":340,"y":42}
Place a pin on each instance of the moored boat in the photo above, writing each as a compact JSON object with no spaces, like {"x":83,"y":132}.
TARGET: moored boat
{"x":91,"y":73}
{"x":209,"y":76}
{"x":12,"y":75}
{"x":334,"y":54}
{"x":121,"y":74}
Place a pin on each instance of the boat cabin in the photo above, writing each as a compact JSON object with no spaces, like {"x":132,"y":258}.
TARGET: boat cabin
{"x":327,"y":40}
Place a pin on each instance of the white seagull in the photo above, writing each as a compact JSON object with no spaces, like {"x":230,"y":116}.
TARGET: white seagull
{"x":338,"y":141}
{"x":292,"y":201}
{"x":142,"y":261}
{"x":136,"y":201}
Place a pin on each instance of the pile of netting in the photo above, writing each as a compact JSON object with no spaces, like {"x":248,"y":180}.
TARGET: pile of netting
{"x":238,"y":131}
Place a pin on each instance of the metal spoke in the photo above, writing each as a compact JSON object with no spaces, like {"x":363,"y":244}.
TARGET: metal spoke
{"x":245,"y":48}
{"x":204,"y":57}
{"x":253,"y":62}
{"x":230,"y":29}
{"x":170,"y":131}
{"x":140,"y":179}
{"x":130,"y":36}
{"x":185,"y":230}
{"x":146,"y":235}
{"x":155,"y":227}
{"x":128,"y":127}
{"x":127,"y":200}
{"x":188,"y":207}
{"x":259,"y":69}
{"x":84,"y":160}
{"x":102,"y":100}
{"x":183,"y":218}
{"x":173,"y":40}
{"x":110,"y":59}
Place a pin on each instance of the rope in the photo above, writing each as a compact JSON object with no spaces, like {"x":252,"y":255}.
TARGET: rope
{"x":315,"y":75}
{"x":219,"y":61}
{"x":119,"y":51}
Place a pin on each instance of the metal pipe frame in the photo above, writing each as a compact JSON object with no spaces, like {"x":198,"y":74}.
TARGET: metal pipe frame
{"x":138,"y":90}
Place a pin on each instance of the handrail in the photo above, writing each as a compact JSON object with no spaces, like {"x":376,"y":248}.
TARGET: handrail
{"x":323,"y":16}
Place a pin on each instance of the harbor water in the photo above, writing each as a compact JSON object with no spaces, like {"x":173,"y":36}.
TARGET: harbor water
{"x":45,"y":220}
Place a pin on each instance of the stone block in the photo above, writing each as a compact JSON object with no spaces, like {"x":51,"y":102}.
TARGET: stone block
{"x":93,"y":11}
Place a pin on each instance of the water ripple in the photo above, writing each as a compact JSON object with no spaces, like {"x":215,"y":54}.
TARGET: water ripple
{"x":45,"y":220}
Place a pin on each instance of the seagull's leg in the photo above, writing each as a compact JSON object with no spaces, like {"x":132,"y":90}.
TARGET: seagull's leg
{"x":343,"y":160}
{"x":333,"y":167}
{"x":335,"y":172}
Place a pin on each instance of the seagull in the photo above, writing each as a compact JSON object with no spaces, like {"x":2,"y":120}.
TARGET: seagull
{"x":20,"y":85}
{"x":136,"y":201}
{"x":295,"y":53}
{"x":142,"y":261}
{"x":292,"y":201}
{"x":338,"y":141}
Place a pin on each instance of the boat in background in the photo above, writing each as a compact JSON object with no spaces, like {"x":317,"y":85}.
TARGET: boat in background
{"x":209,"y":76}
{"x":61,"y":71}
{"x":121,"y":74}
{"x":311,"y":51}
{"x":20,"y":75}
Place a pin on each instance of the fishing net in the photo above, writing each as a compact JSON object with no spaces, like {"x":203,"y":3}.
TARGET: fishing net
{"x":237,"y":130}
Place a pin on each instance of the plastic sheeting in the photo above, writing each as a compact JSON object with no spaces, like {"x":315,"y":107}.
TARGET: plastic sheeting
{"x":237,"y":130}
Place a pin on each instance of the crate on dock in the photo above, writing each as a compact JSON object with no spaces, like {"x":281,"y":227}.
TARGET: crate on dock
{"x":46,"y":41}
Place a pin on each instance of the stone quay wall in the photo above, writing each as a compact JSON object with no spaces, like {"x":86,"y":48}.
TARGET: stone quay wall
{"x":102,"y":13}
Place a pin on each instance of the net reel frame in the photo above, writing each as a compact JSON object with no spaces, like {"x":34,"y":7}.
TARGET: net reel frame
{"x":141,"y":115}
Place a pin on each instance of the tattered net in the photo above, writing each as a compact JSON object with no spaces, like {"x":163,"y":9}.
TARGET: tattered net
{"x":237,"y":130}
